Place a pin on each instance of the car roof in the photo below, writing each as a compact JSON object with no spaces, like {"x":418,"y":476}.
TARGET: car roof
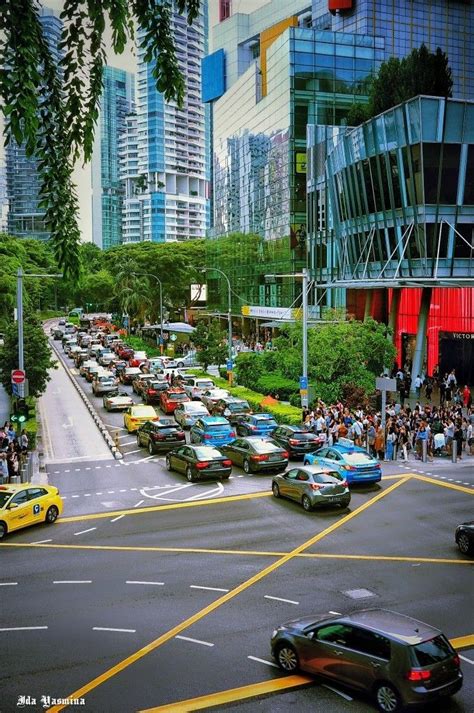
{"x":394,"y":625}
{"x":12,"y":488}
{"x":314,"y":469}
{"x":348,"y":447}
{"x":262,"y":416}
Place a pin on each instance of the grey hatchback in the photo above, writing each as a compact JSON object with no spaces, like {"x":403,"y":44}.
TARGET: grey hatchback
{"x":312,"y":486}
{"x":397,"y":659}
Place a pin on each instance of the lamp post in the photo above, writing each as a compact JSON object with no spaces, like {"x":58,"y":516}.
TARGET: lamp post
{"x":19,"y":315}
{"x":149,"y":274}
{"x":304,"y":374}
{"x":229,"y":316}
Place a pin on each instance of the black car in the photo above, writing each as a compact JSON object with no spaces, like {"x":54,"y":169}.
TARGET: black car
{"x":162,"y":435}
{"x":464,"y":536}
{"x":199,"y":462}
{"x":296,"y":440}
{"x":231,"y":408}
{"x":255,"y":454}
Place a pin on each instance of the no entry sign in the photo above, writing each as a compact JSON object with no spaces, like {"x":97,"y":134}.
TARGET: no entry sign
{"x":18,"y":376}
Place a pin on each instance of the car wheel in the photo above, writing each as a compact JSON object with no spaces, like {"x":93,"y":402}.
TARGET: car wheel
{"x":189,"y":474}
{"x":52,"y":514}
{"x":306,"y":502}
{"x":139,"y":443}
{"x":151,"y":450}
{"x":3,"y":530}
{"x":247,"y":466}
{"x":275,"y":490}
{"x":180,"y":365}
{"x":287,"y":658}
{"x":168,"y":463}
{"x":464,"y":543}
{"x":387,"y":698}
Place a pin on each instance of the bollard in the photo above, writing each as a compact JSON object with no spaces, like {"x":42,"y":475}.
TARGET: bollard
{"x":116,"y":439}
{"x":454,"y":450}
{"x":424,"y":451}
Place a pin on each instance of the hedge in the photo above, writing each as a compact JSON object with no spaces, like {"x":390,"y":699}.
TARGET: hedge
{"x":281,"y":412}
{"x":277,"y":384}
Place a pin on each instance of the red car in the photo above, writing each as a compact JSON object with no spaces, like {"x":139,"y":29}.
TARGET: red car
{"x":125,"y":352}
{"x":170,"y":399}
{"x":137,"y":359}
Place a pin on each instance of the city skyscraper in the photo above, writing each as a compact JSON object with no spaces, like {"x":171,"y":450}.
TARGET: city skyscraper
{"x":173,"y":144}
{"x":116,"y":103}
{"x":25,"y":218}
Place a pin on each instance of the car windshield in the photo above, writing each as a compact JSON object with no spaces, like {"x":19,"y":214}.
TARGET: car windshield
{"x":147,"y":411}
{"x":265,"y":422}
{"x":167,"y":429}
{"x":430,"y":652}
{"x":207,"y":453}
{"x":241,"y":406}
{"x":265,"y":446}
{"x":302,"y":436}
{"x":178,"y":397}
{"x":3,"y":498}
{"x":204,"y":384}
{"x":327,"y":477}
{"x":218,"y":427}
{"x":357,"y":458}
{"x":106,"y":379}
{"x":194,"y":407}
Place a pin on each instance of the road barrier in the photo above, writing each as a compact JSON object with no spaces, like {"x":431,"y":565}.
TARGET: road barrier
{"x":113,"y":445}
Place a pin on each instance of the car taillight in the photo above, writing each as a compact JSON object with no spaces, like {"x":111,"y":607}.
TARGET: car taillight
{"x":226,"y":462}
{"x":344,"y":483}
{"x":349,"y":467}
{"x":232,"y":434}
{"x":157,"y":437}
{"x":285,"y":454}
{"x":152,"y":391}
{"x":456,"y":660}
{"x":315,"y":486}
{"x":293,"y":442}
{"x":252,"y":428}
{"x":415,"y":675}
{"x":259,"y":457}
{"x":202,"y":464}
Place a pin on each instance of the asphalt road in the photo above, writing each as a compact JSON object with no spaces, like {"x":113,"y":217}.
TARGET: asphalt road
{"x":202,"y":585}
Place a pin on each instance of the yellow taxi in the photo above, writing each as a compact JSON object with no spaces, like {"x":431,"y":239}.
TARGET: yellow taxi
{"x":138,"y":414}
{"x":28,"y":504}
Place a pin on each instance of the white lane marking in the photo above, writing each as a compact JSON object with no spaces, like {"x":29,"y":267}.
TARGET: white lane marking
{"x":116,"y":428}
{"x":133,"y":488}
{"x":279,"y":599}
{"x":106,"y":628}
{"x":24,"y":628}
{"x":9,"y":584}
{"x":336,"y":613}
{"x":466,"y":483}
{"x":129,"y":453}
{"x":208,"y":493}
{"x":67,"y":471}
{"x":110,"y":492}
{"x":339,"y":693}
{"x":140,"y":502}
{"x":269,"y":663}
{"x":75,"y":496}
{"x":72,"y":581}
{"x":123,"y":490}
{"x":117,"y":518}
{"x":464,"y":658}
{"x":40,"y":542}
{"x":210,"y":589}
{"x":83,"y":532}
{"x":129,"y":443}
{"x":133,"y":581}
{"x":99,"y":493}
{"x":98,"y":467}
{"x":77,"y":470}
{"x":87,"y":495}
{"x":88,"y":468}
{"x":108,"y":466}
{"x":161,"y":496}
{"x":194,"y":641}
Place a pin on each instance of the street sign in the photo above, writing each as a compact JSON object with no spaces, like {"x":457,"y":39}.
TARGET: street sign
{"x":15,"y":390}
{"x":230,"y":365}
{"x":173,"y":337}
{"x":18,"y":376}
{"x":383,"y":383}
{"x":303,"y":382}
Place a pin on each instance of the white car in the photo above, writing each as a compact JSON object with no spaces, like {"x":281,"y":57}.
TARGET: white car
{"x":196,"y":386}
{"x":188,"y":413}
{"x":211,"y":396}
{"x":104,"y":384}
{"x":186,"y":361}
{"x":117,"y":401}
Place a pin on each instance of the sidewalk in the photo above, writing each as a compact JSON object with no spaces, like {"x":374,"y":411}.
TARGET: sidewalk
{"x":4,"y":406}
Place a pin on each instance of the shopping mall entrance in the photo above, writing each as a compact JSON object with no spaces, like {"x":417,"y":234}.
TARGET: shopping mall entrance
{"x":456,"y":351}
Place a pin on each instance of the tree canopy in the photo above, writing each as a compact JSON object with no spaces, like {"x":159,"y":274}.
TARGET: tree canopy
{"x":53,"y":110}
{"x":36,"y":352}
{"x":420,"y":72}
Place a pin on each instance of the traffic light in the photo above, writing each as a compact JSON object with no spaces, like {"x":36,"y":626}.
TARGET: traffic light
{"x":20,"y":413}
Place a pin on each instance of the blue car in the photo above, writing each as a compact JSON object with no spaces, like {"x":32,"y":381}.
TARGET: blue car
{"x":212,"y":431}
{"x":352,"y":462}
{"x":256,"y":424}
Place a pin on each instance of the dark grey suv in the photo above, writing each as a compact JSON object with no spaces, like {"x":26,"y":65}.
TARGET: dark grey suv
{"x":399,"y":660}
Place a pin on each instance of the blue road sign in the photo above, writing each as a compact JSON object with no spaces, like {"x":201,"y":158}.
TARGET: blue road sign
{"x":303,"y":382}
{"x":230,"y":365}
{"x":15,"y":390}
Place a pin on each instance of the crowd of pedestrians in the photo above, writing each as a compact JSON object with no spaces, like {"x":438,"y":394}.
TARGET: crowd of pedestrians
{"x":406,"y":428}
{"x":13,"y":450}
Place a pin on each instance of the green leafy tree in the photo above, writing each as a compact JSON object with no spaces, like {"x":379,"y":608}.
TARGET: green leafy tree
{"x":53,"y":111}
{"x":37,"y":356}
{"x":97,"y":288}
{"x":210,"y":343}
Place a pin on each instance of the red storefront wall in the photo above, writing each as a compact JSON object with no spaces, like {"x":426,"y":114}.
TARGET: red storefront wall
{"x":452,"y":310}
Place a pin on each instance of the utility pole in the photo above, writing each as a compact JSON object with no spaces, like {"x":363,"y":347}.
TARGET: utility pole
{"x":229,"y":319}
{"x":304,"y":380}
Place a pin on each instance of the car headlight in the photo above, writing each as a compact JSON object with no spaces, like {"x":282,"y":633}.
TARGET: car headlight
{"x":274,"y":633}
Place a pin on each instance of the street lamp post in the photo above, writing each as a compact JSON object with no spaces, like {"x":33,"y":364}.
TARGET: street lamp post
{"x":149,"y":274}
{"x":19,"y":316}
{"x":229,"y":316}
{"x":304,"y":374}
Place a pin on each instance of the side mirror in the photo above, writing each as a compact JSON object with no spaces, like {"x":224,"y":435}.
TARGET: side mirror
{"x":12,"y":506}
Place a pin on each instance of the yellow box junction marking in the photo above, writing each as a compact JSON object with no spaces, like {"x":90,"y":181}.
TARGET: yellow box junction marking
{"x":171,"y":633}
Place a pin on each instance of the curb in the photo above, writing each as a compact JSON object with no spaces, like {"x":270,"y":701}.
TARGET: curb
{"x":117,"y":454}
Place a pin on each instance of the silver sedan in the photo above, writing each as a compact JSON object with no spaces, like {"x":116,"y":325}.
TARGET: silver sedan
{"x":312,"y":486}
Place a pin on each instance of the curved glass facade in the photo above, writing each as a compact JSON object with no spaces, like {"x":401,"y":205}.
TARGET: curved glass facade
{"x":400,"y":193}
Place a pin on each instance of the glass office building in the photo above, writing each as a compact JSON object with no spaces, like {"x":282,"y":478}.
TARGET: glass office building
{"x":116,"y":103}
{"x":25,"y":217}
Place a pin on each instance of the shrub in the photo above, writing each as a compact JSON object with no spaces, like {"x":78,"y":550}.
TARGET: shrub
{"x":277,"y":384}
